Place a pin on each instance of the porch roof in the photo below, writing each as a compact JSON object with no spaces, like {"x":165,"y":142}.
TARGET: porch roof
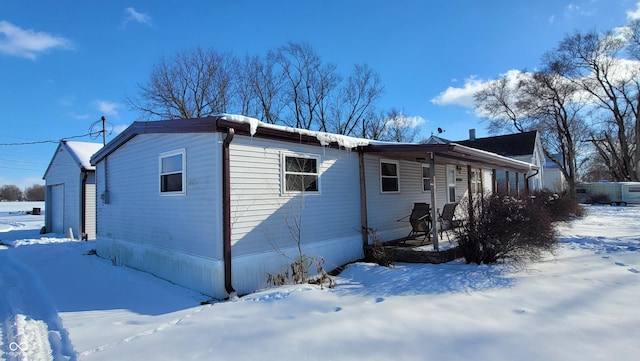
{"x":448,"y":152}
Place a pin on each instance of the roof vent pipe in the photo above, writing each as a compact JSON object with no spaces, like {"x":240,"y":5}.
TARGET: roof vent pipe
{"x":472,"y":134}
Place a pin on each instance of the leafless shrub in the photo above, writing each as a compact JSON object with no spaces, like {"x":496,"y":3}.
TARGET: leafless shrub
{"x":505,"y":227}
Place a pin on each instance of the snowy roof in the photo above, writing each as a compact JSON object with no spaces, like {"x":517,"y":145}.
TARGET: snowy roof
{"x":323,"y":137}
{"x":254,"y":127}
{"x":82,"y":152}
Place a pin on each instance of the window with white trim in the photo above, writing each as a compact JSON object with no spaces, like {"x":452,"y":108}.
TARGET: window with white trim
{"x":172,"y":172}
{"x":426,"y":178}
{"x":476,"y":180}
{"x":451,"y":183}
{"x":389,"y":176}
{"x":301,"y":173}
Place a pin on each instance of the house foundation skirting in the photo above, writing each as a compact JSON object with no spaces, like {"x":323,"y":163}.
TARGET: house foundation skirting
{"x":206,"y":275}
{"x":250,"y":271}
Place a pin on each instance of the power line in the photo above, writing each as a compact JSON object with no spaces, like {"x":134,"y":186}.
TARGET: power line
{"x":92,"y":133}
{"x":45,"y":141}
{"x":21,"y":161}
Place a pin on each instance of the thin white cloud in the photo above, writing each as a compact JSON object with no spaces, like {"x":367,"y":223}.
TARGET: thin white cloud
{"x":117,"y":129}
{"x":16,"y":41}
{"x":133,"y":16}
{"x":460,"y":96}
{"x":107,"y":107}
{"x":634,"y":14}
{"x":404,"y":121}
{"x":79,"y":116}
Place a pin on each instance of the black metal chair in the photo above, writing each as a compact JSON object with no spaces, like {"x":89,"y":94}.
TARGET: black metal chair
{"x":447,"y":219}
{"x":420,"y":220}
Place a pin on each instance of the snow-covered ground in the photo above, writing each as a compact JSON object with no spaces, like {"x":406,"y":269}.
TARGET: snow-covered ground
{"x":57,"y":301}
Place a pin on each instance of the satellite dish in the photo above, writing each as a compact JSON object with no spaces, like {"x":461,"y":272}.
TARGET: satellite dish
{"x":440,"y":130}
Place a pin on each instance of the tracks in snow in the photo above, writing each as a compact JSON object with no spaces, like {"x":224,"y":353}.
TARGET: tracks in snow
{"x":30,"y":328}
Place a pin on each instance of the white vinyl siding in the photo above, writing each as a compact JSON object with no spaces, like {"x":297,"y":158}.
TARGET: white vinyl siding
{"x":137,"y":213}
{"x":385,"y":208}
{"x":90,"y":206}
{"x":265,"y":219}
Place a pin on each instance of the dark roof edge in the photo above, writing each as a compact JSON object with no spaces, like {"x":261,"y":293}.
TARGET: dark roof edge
{"x":197,"y":125}
{"x":211,"y":124}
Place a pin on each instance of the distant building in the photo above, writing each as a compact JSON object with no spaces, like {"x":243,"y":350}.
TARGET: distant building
{"x":553,"y":177}
{"x":70,"y":201}
{"x":524,"y":146}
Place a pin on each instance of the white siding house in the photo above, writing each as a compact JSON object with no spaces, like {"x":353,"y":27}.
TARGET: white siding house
{"x":525,"y":147}
{"x":218,"y":203}
{"x":70,"y":190}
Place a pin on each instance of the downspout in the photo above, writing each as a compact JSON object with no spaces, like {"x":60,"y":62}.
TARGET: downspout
{"x":83,"y":206}
{"x":363,"y":202}
{"x":226,"y":212}
{"x":526,"y":184}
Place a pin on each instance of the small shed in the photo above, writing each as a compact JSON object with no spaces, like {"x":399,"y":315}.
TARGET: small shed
{"x":70,"y":201}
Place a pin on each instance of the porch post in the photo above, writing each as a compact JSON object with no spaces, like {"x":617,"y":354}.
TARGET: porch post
{"x":481,"y":171}
{"x":469,"y":191}
{"x":434,"y":204}
{"x":494,"y":181}
{"x":508,"y":182}
{"x":517,"y":184}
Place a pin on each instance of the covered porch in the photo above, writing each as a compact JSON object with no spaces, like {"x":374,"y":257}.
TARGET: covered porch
{"x":450,"y":172}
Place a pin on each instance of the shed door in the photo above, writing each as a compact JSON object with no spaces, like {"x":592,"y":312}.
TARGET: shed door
{"x":57,"y":205}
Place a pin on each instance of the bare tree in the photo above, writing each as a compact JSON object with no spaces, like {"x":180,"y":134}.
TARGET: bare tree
{"x":192,"y":84}
{"x":593,"y":61}
{"x":10,"y":193}
{"x":391,"y":126}
{"x":309,"y":83}
{"x":34,"y":193}
{"x":552,"y":101}
{"x":499,"y":103}
{"x":542,"y":101}
{"x":291,"y":85}
{"x":355,"y":100}
{"x":263,"y":83}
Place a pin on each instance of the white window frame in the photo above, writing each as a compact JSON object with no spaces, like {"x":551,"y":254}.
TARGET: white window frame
{"x":284,"y":172}
{"x":183,"y":171}
{"x":396,"y":177}
{"x":451,"y":183}
{"x":426,"y":181}
{"x":476,"y":180}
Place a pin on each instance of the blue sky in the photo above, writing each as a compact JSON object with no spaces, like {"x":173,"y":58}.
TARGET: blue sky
{"x":64,"y":64}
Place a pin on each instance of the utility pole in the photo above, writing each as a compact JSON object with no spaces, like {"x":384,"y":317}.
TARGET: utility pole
{"x":104,"y":131}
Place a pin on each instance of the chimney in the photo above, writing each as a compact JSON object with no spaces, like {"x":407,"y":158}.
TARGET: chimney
{"x":472,"y":134}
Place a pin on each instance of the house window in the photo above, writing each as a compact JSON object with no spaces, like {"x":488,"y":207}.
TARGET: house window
{"x":172,"y":172}
{"x":476,"y":181}
{"x":301,"y":173}
{"x":426,"y":178}
{"x":451,"y":183}
{"x":389,"y":179}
